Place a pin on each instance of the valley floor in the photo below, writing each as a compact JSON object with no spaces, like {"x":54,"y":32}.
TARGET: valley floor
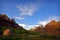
{"x":30,"y":37}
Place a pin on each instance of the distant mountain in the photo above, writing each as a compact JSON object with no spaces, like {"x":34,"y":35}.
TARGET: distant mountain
{"x":7,"y":22}
{"x":37,"y":28}
{"x":52,"y":27}
{"x":8,"y":26}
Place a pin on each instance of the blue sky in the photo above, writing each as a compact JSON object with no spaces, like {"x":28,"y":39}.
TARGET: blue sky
{"x":30,"y":13}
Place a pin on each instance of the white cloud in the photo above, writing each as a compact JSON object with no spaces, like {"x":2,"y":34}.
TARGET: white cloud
{"x":44,"y":22}
{"x":22,"y":25}
{"x":27,"y":27}
{"x":27,"y":9}
{"x":20,"y":18}
{"x":57,"y":18}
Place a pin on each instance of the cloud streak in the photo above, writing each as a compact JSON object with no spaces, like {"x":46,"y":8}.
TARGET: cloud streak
{"x":27,"y":27}
{"x":44,"y":22}
{"x":20,"y":18}
{"x":26,"y":10}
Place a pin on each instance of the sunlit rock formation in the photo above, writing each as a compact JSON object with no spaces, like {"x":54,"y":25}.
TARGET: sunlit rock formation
{"x":6,"y":21}
{"x":53,"y":27}
{"x":6,"y":24}
{"x":6,"y":32}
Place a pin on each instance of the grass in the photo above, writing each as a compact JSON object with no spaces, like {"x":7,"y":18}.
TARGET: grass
{"x":30,"y":37}
{"x":27,"y":35}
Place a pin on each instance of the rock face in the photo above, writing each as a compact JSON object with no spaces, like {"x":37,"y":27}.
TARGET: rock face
{"x":6,"y":24}
{"x":38,"y":28}
{"x":6,"y":21}
{"x":6,"y":32}
{"x":53,"y":27}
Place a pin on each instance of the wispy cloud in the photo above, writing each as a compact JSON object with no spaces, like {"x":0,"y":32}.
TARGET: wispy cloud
{"x":27,"y":27}
{"x":26,"y":10}
{"x":20,"y":18}
{"x":44,"y":22}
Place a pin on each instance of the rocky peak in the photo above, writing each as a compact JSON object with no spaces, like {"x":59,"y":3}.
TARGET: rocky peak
{"x":53,"y":26}
{"x":6,"y":21}
{"x":52,"y":22}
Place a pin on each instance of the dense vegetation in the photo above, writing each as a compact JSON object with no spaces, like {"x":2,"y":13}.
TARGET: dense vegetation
{"x":19,"y":34}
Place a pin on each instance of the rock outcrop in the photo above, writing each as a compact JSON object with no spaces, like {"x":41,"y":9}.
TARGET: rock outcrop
{"x":6,"y":21}
{"x":53,"y":27}
{"x":38,"y":28}
{"x":6,"y":24}
{"x":6,"y":32}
